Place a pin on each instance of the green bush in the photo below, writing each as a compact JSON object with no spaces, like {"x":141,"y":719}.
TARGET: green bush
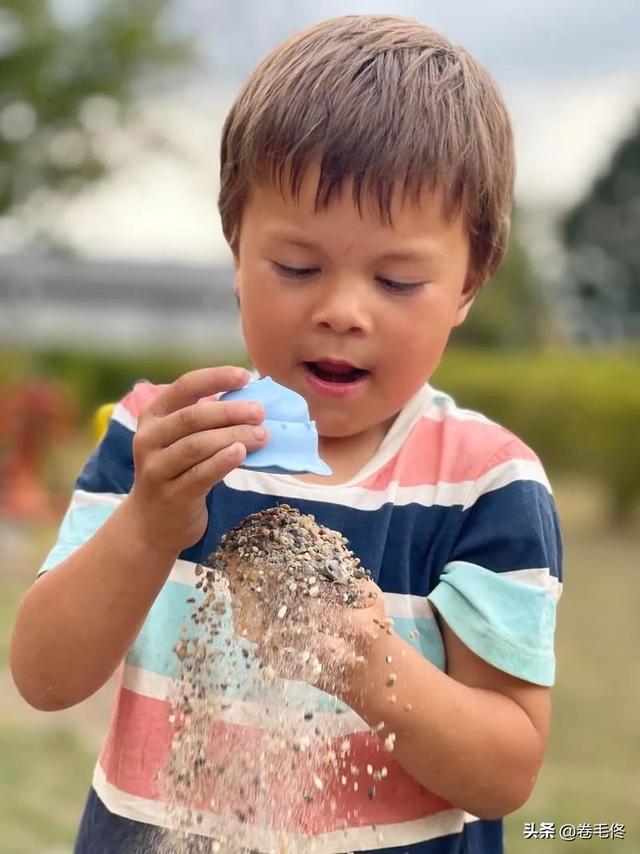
{"x":96,"y":378}
{"x":578,"y":410}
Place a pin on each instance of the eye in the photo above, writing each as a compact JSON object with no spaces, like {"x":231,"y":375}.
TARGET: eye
{"x":401,"y":287}
{"x":293,"y":272}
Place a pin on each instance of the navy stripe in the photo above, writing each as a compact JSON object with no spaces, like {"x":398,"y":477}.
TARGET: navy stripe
{"x":406,"y":547}
{"x":110,"y":467}
{"x":514,"y":527}
{"x":102,"y":831}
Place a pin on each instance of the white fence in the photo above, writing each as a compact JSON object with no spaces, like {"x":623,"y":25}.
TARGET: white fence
{"x":110,"y":306}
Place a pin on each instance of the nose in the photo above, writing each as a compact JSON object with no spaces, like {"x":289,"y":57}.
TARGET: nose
{"x":342,"y":307}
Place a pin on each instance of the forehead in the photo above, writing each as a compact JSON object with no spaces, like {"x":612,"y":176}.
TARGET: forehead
{"x":402,"y":213}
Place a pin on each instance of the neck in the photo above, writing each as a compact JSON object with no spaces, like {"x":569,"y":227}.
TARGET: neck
{"x":357,"y":446}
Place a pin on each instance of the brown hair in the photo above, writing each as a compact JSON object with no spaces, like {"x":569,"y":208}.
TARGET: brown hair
{"x":381,"y":99}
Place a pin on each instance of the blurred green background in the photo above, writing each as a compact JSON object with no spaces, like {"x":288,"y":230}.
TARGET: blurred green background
{"x":106,"y":106}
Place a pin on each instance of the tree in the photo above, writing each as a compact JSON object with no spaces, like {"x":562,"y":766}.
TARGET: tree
{"x":510,"y":311}
{"x":601,"y":235}
{"x":64,"y":87}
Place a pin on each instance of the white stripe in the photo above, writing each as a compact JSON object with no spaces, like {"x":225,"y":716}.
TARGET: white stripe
{"x":347,"y":496}
{"x":396,"y":604}
{"x":269,"y":841}
{"x":184,"y":572}
{"x":246,"y":713}
{"x":539,"y":577}
{"x":81,"y":499}
{"x":441,"y":410}
{"x":503,"y":475}
{"x":442,"y":494}
{"x":122,"y":415}
{"x":407,"y":605}
{"x":145,"y":682}
{"x":403,"y":604}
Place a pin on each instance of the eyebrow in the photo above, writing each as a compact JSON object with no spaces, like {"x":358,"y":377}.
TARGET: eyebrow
{"x":407,"y":255}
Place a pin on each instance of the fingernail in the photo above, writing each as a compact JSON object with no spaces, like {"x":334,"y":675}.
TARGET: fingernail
{"x":259,"y":432}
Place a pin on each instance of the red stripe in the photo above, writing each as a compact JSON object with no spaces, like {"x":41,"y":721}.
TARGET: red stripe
{"x":144,"y":392}
{"x":141,"y":396}
{"x":450,"y":451}
{"x":137,"y":750}
{"x":435,"y":451}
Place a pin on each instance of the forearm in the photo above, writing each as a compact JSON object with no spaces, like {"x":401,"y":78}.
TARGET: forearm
{"x":77,"y":621}
{"x":474,"y":747}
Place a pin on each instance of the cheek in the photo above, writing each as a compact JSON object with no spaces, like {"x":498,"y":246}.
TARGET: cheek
{"x":267,"y":309}
{"x":415,"y":339}
{"x":261,"y":291}
{"x":270,"y":321}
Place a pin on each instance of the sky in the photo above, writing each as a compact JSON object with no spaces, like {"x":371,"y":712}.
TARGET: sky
{"x":569,"y":71}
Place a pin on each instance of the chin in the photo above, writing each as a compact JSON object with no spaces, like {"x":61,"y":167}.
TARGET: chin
{"x":330,"y":429}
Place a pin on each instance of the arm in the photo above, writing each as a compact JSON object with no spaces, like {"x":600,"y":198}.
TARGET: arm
{"x":77,"y":621}
{"x":86,"y":613}
{"x":474,"y":735}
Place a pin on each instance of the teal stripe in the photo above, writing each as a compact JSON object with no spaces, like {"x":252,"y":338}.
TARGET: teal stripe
{"x":78,"y":525}
{"x":153,"y":648}
{"x":506,"y":622}
{"x":429,"y":640}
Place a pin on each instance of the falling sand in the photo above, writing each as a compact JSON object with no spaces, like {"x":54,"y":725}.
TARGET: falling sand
{"x":255,"y":746}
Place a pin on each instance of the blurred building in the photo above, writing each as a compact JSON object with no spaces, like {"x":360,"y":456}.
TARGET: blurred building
{"x":106,"y":305}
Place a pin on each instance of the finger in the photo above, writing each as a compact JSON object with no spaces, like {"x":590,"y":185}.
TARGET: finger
{"x":247,"y":628}
{"x":339,"y":626}
{"x":188,"y":452}
{"x":369,"y":589}
{"x":199,"y":479}
{"x":324,"y":658}
{"x":334,"y":652}
{"x":194,"y":385}
{"x":286,"y":663}
{"x":370,"y":595}
{"x":205,"y":415}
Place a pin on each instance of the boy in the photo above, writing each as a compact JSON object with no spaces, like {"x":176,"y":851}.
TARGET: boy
{"x":366,"y":187}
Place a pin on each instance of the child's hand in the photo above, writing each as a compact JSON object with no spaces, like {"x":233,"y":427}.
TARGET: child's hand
{"x":342,"y":636}
{"x":337,"y":638}
{"x":183,"y":446}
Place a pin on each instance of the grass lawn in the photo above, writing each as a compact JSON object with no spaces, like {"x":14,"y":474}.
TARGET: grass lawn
{"x":590,"y":773}
{"x":44,"y":778}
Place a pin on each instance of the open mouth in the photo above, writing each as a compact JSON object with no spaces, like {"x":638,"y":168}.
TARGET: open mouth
{"x":335,"y":373}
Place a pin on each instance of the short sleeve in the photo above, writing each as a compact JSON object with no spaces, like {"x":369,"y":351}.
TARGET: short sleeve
{"x":499,"y":589}
{"x":105,"y":479}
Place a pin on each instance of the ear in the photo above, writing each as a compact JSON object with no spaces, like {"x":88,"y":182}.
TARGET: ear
{"x":463,"y":309}
{"x":236,"y":280}
{"x":236,"y":274}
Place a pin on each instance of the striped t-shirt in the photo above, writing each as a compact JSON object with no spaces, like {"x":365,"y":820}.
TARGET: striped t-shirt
{"x":452,"y":512}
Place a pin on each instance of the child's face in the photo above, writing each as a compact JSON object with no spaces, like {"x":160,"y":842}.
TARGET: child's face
{"x":344,"y":306}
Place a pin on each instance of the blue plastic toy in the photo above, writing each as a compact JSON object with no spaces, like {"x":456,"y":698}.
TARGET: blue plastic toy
{"x":293,"y":439}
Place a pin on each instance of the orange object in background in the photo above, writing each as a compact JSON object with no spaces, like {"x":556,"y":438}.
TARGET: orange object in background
{"x":35,"y":414}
